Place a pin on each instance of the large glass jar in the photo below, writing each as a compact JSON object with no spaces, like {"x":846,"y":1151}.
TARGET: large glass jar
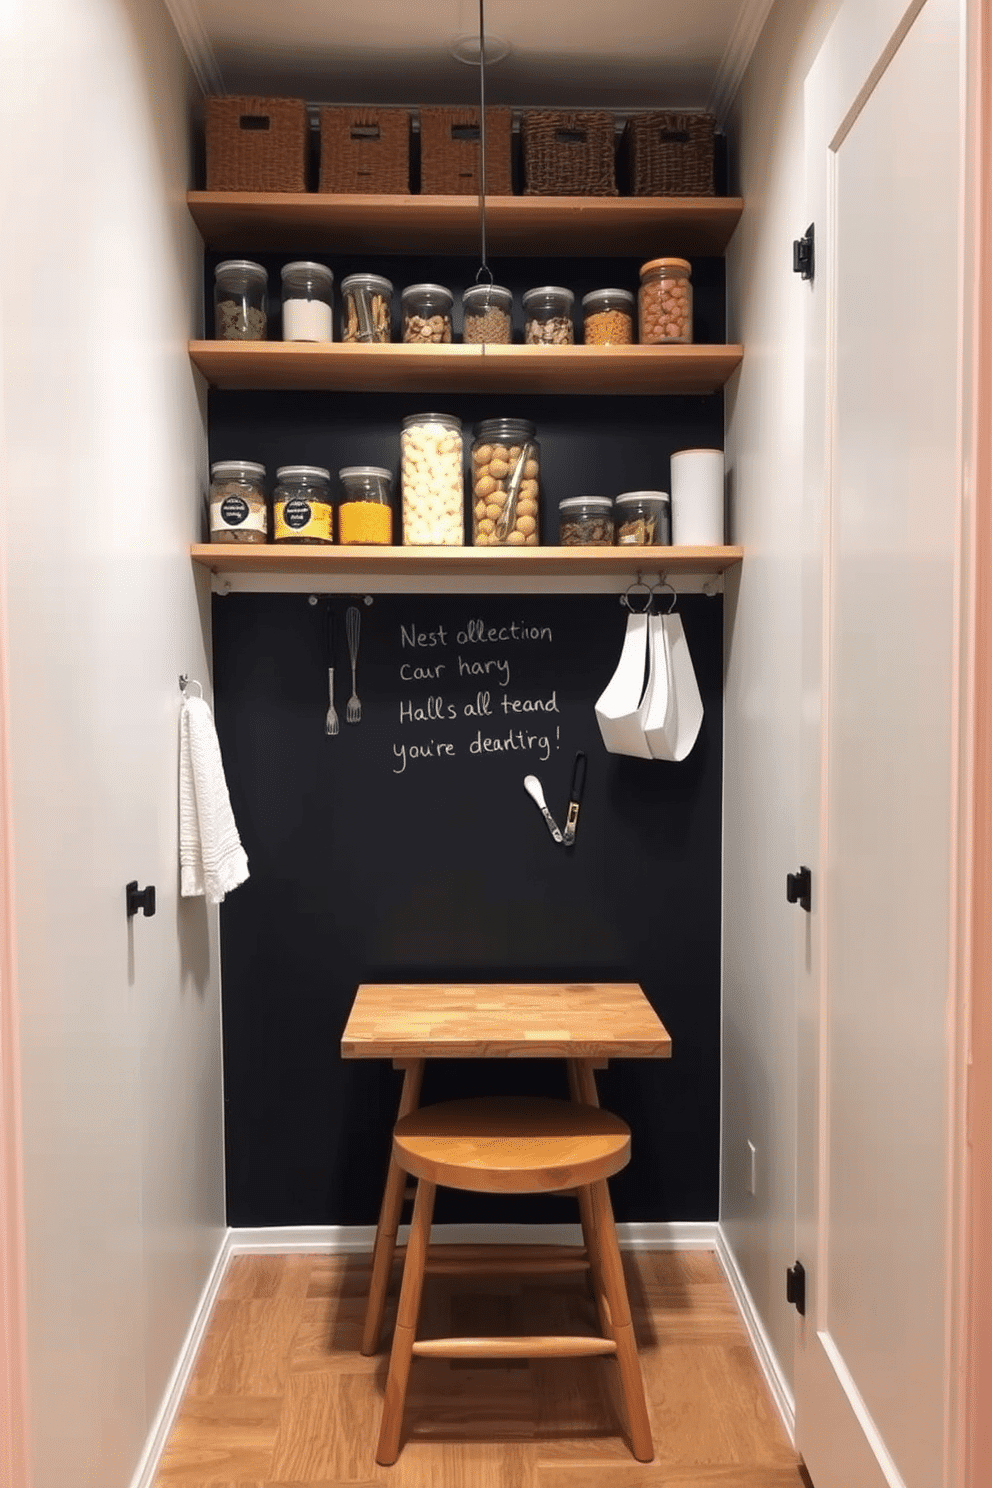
{"x":665,"y":302}
{"x":364,"y":511}
{"x":487,"y":315}
{"x":432,"y":480}
{"x":366,"y":308}
{"x":307,"y":290}
{"x":240,"y":289}
{"x":548,"y":316}
{"x":301,"y":505}
{"x":427,"y":314}
{"x":238,"y":511}
{"x":506,"y":474}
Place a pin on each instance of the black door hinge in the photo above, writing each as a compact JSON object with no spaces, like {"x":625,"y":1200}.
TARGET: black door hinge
{"x":795,"y":1287}
{"x":799,"y":889}
{"x":802,"y":255}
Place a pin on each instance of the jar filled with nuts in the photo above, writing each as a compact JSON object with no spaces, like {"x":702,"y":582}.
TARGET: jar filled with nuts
{"x":608,"y":317}
{"x":506,"y":473}
{"x":432,"y":480}
{"x":487,"y":315}
{"x":644,"y":518}
{"x":585,"y":522}
{"x":548,"y":316}
{"x":427,"y":314}
{"x":301,"y":505}
{"x":665,"y":302}
{"x":366,"y":308}
{"x":237,"y":502}
{"x":364,"y":513}
{"x":240,"y":289}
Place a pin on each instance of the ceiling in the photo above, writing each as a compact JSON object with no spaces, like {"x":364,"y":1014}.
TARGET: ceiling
{"x":579,"y":53}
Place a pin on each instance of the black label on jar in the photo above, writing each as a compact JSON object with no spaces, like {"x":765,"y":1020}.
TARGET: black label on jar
{"x":234,"y":510}
{"x":296,"y":512}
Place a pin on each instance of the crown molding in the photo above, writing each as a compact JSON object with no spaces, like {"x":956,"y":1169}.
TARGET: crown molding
{"x":196,"y":44}
{"x":733,"y":63}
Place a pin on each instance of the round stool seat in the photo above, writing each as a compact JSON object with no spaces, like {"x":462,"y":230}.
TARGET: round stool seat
{"x":511,"y":1144}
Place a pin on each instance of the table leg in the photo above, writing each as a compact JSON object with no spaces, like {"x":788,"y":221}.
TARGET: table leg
{"x":389,"y":1217}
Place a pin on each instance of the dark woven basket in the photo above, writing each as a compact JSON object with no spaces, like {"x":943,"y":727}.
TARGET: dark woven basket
{"x":670,"y":154}
{"x":449,"y":151}
{"x":569,"y":154}
{"x":256,"y":144}
{"x":365,"y":149}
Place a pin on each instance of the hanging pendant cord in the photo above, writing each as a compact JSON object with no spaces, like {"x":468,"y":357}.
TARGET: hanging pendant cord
{"x":484,"y":268}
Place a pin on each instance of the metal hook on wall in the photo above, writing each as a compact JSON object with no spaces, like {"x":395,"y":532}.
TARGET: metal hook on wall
{"x":185,"y":681}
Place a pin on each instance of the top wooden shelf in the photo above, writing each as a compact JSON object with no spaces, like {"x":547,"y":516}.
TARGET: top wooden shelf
{"x":572,"y":226}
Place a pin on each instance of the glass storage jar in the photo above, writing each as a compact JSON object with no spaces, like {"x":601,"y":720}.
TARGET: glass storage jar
{"x":426,"y":314}
{"x":366,"y":308}
{"x":608,"y":317}
{"x":301,"y":505}
{"x":665,"y":302}
{"x":364,"y":512}
{"x":432,"y":480}
{"x":238,"y":511}
{"x":506,"y":474}
{"x":487,"y":315}
{"x":240,"y":290}
{"x":548,"y":316}
{"x":644,"y":518}
{"x":307,"y":290}
{"x":585,"y":522}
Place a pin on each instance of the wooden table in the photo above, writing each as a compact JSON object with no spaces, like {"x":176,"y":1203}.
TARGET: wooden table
{"x":585,"y":1023}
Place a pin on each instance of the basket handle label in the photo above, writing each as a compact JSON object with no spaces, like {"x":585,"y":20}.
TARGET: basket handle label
{"x":673,"y":136}
{"x":254,"y":121}
{"x":570,"y":136}
{"x":465,"y":132}
{"x":364,"y":131}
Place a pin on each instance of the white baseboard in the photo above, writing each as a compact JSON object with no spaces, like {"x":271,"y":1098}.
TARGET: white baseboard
{"x":147,"y":1469}
{"x":760,"y":1342}
{"x":357,"y":1239}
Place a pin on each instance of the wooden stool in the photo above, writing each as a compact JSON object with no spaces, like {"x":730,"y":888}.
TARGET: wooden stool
{"x":516,"y":1145}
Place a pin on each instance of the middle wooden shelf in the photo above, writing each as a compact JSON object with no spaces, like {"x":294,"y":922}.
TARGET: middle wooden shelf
{"x":400,"y":368}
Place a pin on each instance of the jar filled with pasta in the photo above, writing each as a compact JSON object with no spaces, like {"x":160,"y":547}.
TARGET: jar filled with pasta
{"x":364,"y":511}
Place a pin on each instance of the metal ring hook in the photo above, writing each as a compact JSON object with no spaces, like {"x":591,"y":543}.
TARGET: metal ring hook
{"x":661,"y":585}
{"x":649,"y":597}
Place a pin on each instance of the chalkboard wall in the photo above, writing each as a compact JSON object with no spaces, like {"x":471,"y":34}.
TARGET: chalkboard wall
{"x":406,"y":849}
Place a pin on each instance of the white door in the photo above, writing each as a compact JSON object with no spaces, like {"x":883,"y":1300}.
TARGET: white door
{"x":884,"y":109}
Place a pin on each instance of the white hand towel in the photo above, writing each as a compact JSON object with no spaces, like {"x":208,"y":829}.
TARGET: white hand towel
{"x":212,"y":860}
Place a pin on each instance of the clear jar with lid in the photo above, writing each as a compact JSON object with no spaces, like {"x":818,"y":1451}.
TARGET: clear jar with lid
{"x":548,"y":316}
{"x":301,"y":505}
{"x":585,"y":522}
{"x":665,"y":302}
{"x":238,"y":510}
{"x":427,"y":314}
{"x":240,"y":292}
{"x":487,"y":315}
{"x":366,"y":308}
{"x":432,"y":480}
{"x":644,"y":518}
{"x":365,"y":514}
{"x":506,"y":475}
{"x":608,"y":317}
{"x":307,"y":296}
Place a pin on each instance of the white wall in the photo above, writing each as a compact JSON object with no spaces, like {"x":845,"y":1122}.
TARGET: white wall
{"x":763,"y":692}
{"x":104,"y":460}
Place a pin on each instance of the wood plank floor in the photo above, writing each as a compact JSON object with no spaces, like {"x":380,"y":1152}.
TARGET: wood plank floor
{"x":280,"y":1396}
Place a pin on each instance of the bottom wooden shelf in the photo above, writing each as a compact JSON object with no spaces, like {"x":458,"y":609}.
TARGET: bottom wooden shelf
{"x":282,"y":559}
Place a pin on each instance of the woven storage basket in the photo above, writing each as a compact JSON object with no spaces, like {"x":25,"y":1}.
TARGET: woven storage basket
{"x":568,"y":154}
{"x":256,"y":144}
{"x":365,"y":149}
{"x":670,"y":154}
{"x":449,"y":151}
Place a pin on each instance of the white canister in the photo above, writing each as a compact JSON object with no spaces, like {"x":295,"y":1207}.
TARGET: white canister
{"x":697,"y":498}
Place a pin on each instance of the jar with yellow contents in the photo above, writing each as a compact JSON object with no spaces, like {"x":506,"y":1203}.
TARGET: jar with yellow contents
{"x":365,"y":514}
{"x":301,"y":505}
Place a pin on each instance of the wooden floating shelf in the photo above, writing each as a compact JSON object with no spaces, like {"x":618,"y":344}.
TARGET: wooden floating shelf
{"x":572,"y":226}
{"x":281,"y":559}
{"x":398,"y":368}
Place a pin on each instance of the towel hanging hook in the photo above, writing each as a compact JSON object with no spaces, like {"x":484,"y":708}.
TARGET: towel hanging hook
{"x":662,"y":584}
{"x":648,"y":596}
{"x":187,"y":682}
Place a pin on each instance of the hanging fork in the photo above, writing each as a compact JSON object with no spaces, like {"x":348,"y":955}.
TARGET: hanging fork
{"x":331,"y":721}
{"x":353,"y":625}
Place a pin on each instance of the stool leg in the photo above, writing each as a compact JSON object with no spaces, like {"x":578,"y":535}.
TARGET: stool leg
{"x":406,"y":1326}
{"x":389,"y":1219}
{"x":587,"y":1215}
{"x":631,"y":1380}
